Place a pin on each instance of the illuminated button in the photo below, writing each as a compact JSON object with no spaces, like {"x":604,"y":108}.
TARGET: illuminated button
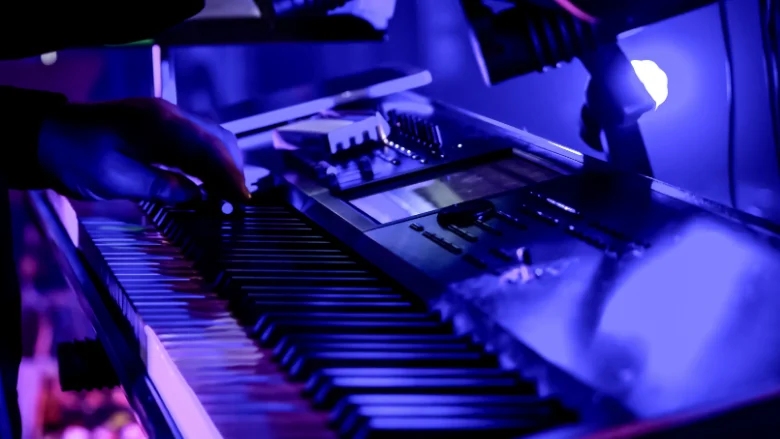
{"x":452,"y":248}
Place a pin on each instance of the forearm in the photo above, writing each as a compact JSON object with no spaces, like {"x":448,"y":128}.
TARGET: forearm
{"x":23,"y":114}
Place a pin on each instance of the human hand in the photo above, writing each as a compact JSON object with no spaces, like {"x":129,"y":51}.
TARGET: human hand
{"x":114,"y":150}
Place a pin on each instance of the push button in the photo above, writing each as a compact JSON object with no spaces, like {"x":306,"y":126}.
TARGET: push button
{"x":475,"y":261}
{"x":503,"y":255}
{"x":539,"y":215}
{"x":443,"y":243}
{"x":488,"y":228}
{"x":462,"y":233}
{"x":594,"y":242}
{"x":515,"y":222}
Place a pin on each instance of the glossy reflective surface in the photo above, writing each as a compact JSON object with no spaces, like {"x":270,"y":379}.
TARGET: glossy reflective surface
{"x":642,"y":297}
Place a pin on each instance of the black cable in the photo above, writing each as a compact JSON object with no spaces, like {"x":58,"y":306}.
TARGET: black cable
{"x":730,"y":85}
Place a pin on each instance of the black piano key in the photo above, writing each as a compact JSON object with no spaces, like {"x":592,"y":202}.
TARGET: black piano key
{"x":353,"y":401}
{"x":302,"y":366}
{"x":322,"y":376}
{"x":340,"y":387}
{"x":261,"y":273}
{"x":265,"y":263}
{"x":265,"y":306}
{"x":538,"y":410}
{"x":275,"y":331}
{"x":296,"y":350}
{"x":437,"y":405}
{"x":265,"y":319}
{"x":541,"y":414}
{"x":280,"y":242}
{"x":288,"y":342}
{"x":319,"y":289}
{"x":303,"y":296}
{"x":311,"y":280}
{"x":122,"y":257}
{"x":288,"y":252}
{"x":386,"y":427}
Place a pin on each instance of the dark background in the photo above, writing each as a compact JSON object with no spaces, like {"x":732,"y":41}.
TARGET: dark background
{"x":687,"y":136}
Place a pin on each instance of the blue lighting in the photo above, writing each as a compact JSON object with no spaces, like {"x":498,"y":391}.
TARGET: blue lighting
{"x":654,"y":78}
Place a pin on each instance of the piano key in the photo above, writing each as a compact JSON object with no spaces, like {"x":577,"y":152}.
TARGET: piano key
{"x":542,"y":416}
{"x":260,"y":273}
{"x":290,"y":305}
{"x":440,"y":399}
{"x":313,"y":312}
{"x":343,"y":418}
{"x":321,"y":289}
{"x":267,"y":318}
{"x":449,"y":428}
{"x":289,"y":342}
{"x":339,"y":387}
{"x":165,"y":287}
{"x":205,"y":343}
{"x":322,"y":376}
{"x":289,"y":264}
{"x":305,"y":348}
{"x":304,"y":364}
{"x":316,"y":279}
{"x":183,"y":334}
{"x":275,"y":331}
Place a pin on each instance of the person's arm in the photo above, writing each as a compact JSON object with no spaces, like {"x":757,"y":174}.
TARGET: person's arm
{"x":23,"y":114}
{"x":33,"y":27}
{"x":30,"y":28}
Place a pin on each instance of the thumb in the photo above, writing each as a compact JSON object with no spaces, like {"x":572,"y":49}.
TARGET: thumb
{"x":130,"y":179}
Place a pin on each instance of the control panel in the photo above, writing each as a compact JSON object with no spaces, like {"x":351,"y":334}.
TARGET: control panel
{"x":355,"y":149}
{"x":545,"y":226}
{"x":524,"y":228}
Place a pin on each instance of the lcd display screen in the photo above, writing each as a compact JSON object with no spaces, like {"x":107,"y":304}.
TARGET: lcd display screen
{"x":478,"y":182}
